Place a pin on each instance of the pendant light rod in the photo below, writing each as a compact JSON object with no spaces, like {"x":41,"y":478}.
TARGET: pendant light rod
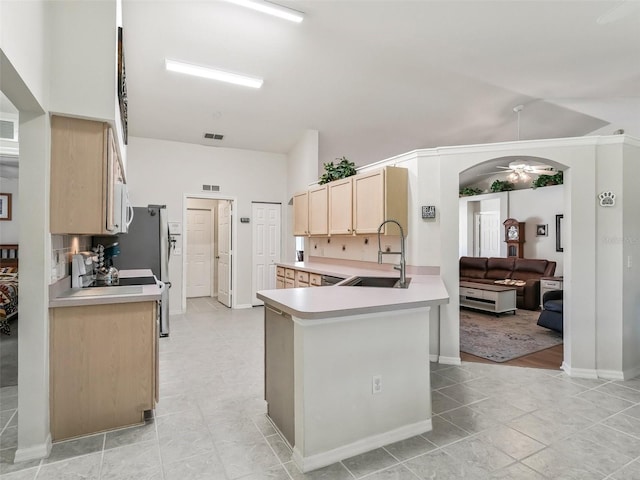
{"x":518,"y":109}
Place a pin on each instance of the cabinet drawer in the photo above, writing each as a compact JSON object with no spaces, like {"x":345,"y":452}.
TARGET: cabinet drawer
{"x":487,"y":295}
{"x":302,"y":284}
{"x":302,"y":277}
{"x":315,"y":279}
{"x":289,"y":273}
{"x":550,"y":284}
{"x":280,"y":271}
{"x":289,"y":283}
{"x":471,"y":292}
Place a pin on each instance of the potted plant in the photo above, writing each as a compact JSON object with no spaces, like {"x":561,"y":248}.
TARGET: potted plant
{"x":343,"y":169}
{"x":546,"y":180}
{"x":501,"y":186}
{"x":469,"y":191}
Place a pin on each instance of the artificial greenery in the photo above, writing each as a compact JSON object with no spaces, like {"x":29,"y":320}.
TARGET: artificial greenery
{"x":343,"y":169}
{"x":545,"y":180}
{"x":501,"y":186}
{"x":468,"y":191}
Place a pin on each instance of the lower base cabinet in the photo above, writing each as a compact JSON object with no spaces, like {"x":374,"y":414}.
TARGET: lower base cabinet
{"x":103,"y":367}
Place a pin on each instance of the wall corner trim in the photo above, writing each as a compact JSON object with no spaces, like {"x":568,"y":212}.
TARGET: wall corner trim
{"x":34,"y":452}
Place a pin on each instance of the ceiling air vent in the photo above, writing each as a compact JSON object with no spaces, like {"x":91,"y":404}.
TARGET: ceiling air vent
{"x":211,"y":188}
{"x":213,"y":136}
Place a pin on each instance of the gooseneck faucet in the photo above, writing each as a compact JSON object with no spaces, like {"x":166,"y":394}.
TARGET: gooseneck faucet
{"x":403,"y":265}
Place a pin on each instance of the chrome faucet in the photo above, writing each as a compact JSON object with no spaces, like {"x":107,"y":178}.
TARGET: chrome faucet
{"x":403,"y":265}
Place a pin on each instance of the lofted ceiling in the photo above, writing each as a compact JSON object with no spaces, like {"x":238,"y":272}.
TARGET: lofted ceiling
{"x":378,"y":78}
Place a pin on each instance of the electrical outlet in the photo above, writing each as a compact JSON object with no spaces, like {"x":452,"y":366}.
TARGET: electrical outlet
{"x":376,"y":384}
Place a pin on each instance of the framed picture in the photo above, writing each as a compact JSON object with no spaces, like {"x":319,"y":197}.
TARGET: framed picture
{"x":559,"y":244}
{"x":541,"y":230}
{"x":5,"y":206}
{"x":122,"y":88}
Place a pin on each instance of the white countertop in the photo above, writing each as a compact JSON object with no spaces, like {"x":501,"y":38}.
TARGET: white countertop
{"x":61,"y":295}
{"x":337,"y":301}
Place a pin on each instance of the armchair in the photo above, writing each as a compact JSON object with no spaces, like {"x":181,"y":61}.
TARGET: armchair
{"x":551,"y":316}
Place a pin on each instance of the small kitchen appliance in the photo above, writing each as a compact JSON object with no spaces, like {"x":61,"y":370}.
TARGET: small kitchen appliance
{"x":82,"y":269}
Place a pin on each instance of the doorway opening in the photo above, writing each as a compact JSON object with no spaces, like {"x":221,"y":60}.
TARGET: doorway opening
{"x":208,"y":263}
{"x":511,"y":339}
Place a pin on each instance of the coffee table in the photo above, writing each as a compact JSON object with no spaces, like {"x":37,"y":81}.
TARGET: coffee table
{"x":488,"y":297}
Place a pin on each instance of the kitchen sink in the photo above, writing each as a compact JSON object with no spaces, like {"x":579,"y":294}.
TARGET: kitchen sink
{"x":381,"y":282}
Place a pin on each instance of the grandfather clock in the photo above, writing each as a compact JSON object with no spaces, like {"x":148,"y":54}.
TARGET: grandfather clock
{"x":514,"y":236}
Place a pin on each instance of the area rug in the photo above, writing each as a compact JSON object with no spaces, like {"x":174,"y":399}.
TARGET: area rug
{"x":506,"y":337}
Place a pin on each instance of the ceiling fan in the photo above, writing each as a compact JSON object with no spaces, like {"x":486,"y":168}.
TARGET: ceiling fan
{"x":519,"y":171}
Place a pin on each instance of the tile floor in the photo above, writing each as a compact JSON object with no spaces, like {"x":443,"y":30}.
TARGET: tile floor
{"x":490,"y":422}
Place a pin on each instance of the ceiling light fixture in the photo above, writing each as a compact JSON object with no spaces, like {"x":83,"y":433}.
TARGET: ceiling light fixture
{"x":271,"y":9}
{"x":213,"y":74}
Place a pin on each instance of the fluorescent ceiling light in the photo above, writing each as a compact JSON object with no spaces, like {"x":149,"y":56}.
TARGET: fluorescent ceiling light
{"x":213,"y":74}
{"x":271,"y":8}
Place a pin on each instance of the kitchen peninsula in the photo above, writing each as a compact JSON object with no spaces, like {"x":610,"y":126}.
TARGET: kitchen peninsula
{"x":347,"y":367}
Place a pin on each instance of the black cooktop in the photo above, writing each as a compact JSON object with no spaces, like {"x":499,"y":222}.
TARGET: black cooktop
{"x":137,"y":281}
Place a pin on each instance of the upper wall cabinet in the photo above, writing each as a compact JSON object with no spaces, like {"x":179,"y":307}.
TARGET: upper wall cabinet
{"x":301,"y":214}
{"x":341,"y":206}
{"x":356,"y":205}
{"x":318,"y":214}
{"x":378,"y":196}
{"x":310,"y":212}
{"x":84,"y":169}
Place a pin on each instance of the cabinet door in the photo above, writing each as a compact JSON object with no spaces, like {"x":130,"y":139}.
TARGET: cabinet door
{"x":103,"y":367}
{"x":318,"y":211}
{"x":340,"y":207}
{"x":368,"y":202}
{"x":301,"y":214}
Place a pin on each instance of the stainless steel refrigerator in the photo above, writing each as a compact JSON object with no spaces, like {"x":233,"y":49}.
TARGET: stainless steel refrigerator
{"x":147,"y":244}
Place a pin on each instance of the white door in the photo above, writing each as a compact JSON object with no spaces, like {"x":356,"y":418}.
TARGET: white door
{"x":224,"y":253}
{"x":487,"y":234}
{"x":198,"y":253}
{"x":266,"y":246}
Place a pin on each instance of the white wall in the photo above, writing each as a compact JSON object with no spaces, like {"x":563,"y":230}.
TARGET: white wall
{"x":302,"y":170}
{"x":9,"y":229}
{"x":630,"y":203}
{"x":539,"y":207}
{"x":164,"y":172}
{"x":24,"y":80}
{"x":84,"y":62}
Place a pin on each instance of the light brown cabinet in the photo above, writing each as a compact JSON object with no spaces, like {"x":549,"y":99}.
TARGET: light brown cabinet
{"x":341,"y":207}
{"x":318,"y":215}
{"x":301,"y":214}
{"x":378,"y":196}
{"x":85,"y":166}
{"x":310,"y":212}
{"x":103,"y":367}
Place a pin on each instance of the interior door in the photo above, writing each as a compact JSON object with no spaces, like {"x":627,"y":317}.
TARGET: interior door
{"x":266,"y":246}
{"x":224,"y":253}
{"x":198,"y":253}
{"x":487,"y":236}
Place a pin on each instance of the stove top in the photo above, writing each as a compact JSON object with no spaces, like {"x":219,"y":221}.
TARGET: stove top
{"x":127,"y":281}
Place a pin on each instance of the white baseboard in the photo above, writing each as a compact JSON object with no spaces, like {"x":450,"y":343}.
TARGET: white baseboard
{"x":243,"y":305}
{"x":449,"y":360}
{"x":579,"y":372}
{"x":631,"y":373}
{"x":319,"y":460}
{"x":433,"y":358}
{"x":34,"y":452}
{"x":612,"y":374}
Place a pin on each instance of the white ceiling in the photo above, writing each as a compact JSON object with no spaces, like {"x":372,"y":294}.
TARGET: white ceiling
{"x":378,"y":78}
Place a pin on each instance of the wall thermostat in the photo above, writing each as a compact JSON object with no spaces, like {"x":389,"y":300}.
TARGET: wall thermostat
{"x":428,"y":211}
{"x":244,"y":219}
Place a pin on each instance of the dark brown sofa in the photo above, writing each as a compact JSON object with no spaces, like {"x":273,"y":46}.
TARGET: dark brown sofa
{"x":488,"y":270}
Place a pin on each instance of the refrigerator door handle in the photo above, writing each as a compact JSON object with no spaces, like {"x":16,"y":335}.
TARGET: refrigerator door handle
{"x":130,"y":211}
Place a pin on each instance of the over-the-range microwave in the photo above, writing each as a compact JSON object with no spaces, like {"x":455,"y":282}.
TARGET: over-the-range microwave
{"x":122,"y":209}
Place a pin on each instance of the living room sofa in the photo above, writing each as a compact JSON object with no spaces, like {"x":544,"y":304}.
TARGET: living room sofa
{"x":488,"y":270}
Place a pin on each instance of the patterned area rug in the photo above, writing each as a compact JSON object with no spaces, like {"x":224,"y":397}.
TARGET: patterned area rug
{"x":506,"y":337}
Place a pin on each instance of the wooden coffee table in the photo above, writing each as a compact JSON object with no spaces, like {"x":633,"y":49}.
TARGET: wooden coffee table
{"x":488,"y":297}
